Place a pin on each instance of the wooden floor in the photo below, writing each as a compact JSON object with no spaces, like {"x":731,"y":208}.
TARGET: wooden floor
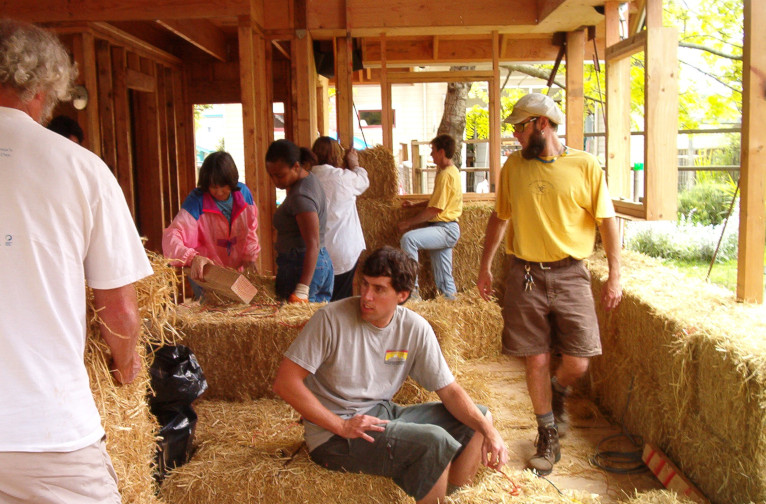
{"x":512,"y":411}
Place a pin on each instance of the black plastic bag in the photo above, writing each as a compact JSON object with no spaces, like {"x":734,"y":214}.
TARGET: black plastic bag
{"x":177,"y":443}
{"x":177,"y":379}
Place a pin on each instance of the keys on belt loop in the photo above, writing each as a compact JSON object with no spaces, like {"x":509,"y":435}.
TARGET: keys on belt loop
{"x":529,"y":282}
{"x":543,"y":266}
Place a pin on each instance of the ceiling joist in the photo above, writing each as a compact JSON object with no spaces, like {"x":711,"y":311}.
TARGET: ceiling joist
{"x":200,"y":33}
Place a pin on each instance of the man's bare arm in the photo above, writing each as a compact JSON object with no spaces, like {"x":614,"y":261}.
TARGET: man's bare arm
{"x":119,"y":326}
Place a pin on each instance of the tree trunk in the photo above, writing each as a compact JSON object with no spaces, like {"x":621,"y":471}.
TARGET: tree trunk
{"x":453,"y":120}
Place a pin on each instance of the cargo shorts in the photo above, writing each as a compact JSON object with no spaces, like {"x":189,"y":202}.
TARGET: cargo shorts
{"x":417,"y":446}
{"x":556,"y":313}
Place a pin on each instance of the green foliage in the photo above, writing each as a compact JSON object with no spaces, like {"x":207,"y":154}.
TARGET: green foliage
{"x":683,"y":240}
{"x":705,"y":203}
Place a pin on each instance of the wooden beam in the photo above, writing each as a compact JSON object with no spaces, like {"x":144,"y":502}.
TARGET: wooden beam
{"x":122,"y":129}
{"x":753,"y":174}
{"x":186,"y":165}
{"x":612,"y":21}
{"x":140,"y":81}
{"x":627,"y":47}
{"x":386,"y":114}
{"x":172,"y":142}
{"x":120,"y":10}
{"x":201,"y":33}
{"x":435,"y":43}
{"x":575,"y":94}
{"x":119,"y":37}
{"x":617,"y":110}
{"x":370,"y":17}
{"x":163,"y":146}
{"x":344,"y":98}
{"x":457,"y":76}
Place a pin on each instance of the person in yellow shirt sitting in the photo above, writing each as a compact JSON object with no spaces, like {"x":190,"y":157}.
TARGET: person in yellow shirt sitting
{"x":440,"y":213}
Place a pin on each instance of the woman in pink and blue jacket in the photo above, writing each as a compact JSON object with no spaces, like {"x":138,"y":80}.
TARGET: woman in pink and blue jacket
{"x":217,"y":223}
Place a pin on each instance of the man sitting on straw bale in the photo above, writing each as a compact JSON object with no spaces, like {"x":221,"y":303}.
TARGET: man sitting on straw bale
{"x":348,"y":362}
{"x":64,"y":221}
{"x":440,"y":213}
{"x":554,"y":198}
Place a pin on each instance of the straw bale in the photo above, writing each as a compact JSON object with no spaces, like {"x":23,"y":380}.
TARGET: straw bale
{"x":130,"y":427}
{"x":253,"y":452}
{"x":656,"y":497}
{"x":379,"y":223}
{"x":699,"y":362}
{"x":240,"y":349}
{"x":384,"y":175}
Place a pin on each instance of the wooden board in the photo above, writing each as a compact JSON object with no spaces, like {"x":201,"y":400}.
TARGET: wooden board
{"x":227,"y":283}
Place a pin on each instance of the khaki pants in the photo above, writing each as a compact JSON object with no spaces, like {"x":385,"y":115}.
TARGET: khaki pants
{"x":85,"y":476}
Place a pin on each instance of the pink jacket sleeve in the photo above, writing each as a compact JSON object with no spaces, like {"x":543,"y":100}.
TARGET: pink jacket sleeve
{"x":252,"y":245}
{"x":180,"y":239}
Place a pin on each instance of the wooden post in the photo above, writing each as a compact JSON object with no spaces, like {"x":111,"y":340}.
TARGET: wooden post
{"x":752,"y":176}
{"x":304,"y":90}
{"x":385,"y":99}
{"x":661,"y":123}
{"x":344,"y":99}
{"x":617,"y":111}
{"x":323,"y":105}
{"x":256,"y":107}
{"x":494,"y":115}
{"x":575,"y":94}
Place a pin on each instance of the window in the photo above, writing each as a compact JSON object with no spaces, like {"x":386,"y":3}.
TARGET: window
{"x":370,"y":118}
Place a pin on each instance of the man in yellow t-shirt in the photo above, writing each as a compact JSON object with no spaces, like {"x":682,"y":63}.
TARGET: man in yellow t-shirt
{"x":440,"y":213}
{"x":554,"y":198}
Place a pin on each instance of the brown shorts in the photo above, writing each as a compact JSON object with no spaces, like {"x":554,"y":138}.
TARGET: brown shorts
{"x":556,"y":314}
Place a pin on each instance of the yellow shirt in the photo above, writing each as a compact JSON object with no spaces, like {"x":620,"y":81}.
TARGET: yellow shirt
{"x":554,"y":207}
{"x":447,"y":195}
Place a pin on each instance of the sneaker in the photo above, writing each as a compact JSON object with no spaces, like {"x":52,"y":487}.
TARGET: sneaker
{"x":548,"y":451}
{"x":560,"y":415}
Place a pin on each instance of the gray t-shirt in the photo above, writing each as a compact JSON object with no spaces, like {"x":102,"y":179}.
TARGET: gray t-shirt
{"x":305,"y":195}
{"x":356,"y":365}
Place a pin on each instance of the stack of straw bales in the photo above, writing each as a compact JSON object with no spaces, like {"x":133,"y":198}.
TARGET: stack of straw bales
{"x":130,"y":428}
{"x":687,"y":366}
{"x":240,"y":348}
{"x":380,"y":210}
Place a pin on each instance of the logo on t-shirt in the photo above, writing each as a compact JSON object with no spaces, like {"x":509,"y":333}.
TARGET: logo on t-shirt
{"x":396,"y":357}
{"x":539,"y":187}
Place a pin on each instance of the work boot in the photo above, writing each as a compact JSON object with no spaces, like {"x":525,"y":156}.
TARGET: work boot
{"x":548,"y":451}
{"x":558,"y":405}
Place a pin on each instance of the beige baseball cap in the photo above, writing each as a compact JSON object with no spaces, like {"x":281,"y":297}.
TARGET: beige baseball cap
{"x":535,"y":105}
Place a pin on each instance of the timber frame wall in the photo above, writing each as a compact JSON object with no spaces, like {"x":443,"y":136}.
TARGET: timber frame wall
{"x":146,"y":62}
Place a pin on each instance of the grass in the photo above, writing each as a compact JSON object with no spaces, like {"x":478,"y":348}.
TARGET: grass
{"x":723,"y":274}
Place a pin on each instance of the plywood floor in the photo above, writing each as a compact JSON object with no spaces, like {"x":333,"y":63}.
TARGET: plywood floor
{"x":512,"y":411}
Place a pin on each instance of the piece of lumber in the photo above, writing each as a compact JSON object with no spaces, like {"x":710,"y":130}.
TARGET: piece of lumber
{"x":227,"y":283}
{"x":669,"y":475}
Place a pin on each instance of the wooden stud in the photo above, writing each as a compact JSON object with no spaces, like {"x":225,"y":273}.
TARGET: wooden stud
{"x":494,"y":114}
{"x":323,"y":105}
{"x":752,"y":176}
{"x":653,"y":14}
{"x":304,"y":84}
{"x":106,"y":104}
{"x":163,"y":145}
{"x":174,"y":196}
{"x":617,"y":111}
{"x":344,"y":99}
{"x":85,"y":56}
{"x":385,"y":99}
{"x":575,"y":94}
{"x":122,"y":129}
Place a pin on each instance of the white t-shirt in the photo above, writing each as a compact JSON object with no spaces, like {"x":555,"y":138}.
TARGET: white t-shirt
{"x":343,"y":239}
{"x":356,"y":365}
{"x":63,"y":220}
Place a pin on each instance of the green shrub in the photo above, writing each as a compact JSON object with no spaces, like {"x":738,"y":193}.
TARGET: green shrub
{"x":705,"y":203}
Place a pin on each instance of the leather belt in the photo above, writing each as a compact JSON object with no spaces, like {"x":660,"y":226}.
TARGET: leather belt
{"x":567,"y":261}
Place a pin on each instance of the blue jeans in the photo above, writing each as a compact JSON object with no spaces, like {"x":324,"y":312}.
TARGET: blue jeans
{"x":438,"y":238}
{"x":290,"y":267}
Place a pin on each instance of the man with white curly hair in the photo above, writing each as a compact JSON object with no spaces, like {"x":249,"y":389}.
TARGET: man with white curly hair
{"x":63,"y":221}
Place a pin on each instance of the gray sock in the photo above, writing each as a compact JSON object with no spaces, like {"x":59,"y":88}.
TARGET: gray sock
{"x":545,"y":420}
{"x":558,"y":387}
